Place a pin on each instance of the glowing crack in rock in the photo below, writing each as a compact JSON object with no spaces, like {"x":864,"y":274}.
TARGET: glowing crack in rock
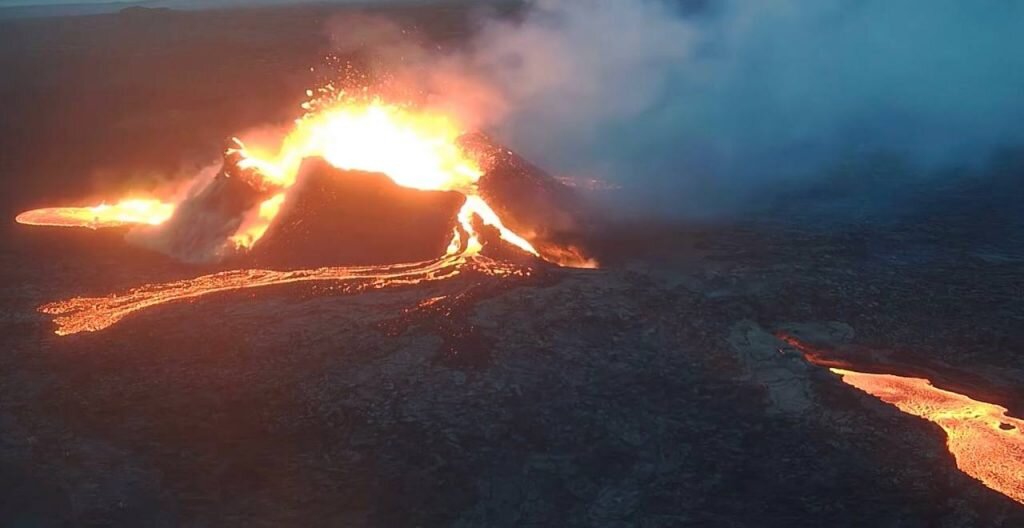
{"x":986,"y":443}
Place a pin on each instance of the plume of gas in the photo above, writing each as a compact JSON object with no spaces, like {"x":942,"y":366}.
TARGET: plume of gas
{"x":714,"y":108}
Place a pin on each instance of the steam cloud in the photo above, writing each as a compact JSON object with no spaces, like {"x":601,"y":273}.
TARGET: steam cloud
{"x":699,"y":107}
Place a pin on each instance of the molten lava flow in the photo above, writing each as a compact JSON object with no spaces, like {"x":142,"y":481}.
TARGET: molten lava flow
{"x":125,"y":212}
{"x":986,"y":443}
{"x":91,"y":314}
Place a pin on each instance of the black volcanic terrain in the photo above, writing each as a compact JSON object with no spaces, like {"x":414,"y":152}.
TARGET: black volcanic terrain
{"x":651,"y":392}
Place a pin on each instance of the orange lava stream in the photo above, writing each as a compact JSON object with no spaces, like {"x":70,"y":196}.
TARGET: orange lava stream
{"x":987,"y":444}
{"x":91,"y":314}
{"x":122,"y":213}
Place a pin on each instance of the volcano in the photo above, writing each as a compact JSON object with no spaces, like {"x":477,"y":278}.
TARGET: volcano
{"x":200,"y":223}
{"x":553,"y":215}
{"x":363,"y":194}
{"x":346,"y":217}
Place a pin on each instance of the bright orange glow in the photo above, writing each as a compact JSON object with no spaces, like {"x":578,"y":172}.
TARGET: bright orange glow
{"x":125,"y":212}
{"x":91,"y":314}
{"x":415,"y":149}
{"x":986,"y":443}
{"x":568,"y":257}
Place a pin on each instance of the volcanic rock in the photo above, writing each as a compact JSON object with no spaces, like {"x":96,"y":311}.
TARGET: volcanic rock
{"x":203,"y":221}
{"x":335,"y":217}
{"x":530,"y":201}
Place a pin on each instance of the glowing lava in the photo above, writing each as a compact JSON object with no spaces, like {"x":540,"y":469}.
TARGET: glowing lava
{"x":122,"y":213}
{"x":415,"y":149}
{"x":91,"y":314}
{"x":986,"y":443}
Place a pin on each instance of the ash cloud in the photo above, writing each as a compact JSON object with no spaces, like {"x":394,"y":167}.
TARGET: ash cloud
{"x":704,"y":107}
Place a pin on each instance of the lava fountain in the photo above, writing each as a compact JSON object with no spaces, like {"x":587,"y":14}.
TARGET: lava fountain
{"x":416,"y":149}
{"x":985,"y":441}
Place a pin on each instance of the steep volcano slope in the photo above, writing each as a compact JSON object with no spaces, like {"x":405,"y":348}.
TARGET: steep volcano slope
{"x":335,"y":217}
{"x":201,"y":223}
{"x":550,"y":214}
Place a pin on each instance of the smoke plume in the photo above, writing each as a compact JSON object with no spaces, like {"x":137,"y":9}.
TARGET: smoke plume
{"x":696,"y":107}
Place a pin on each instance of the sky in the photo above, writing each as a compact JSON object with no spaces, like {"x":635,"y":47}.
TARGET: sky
{"x":27,"y":3}
{"x":700,"y":112}
{"x":102,"y":6}
{"x":20,"y":3}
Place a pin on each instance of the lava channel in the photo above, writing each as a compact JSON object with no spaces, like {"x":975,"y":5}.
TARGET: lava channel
{"x":986,"y":443}
{"x":91,"y":314}
{"x":128,"y":212}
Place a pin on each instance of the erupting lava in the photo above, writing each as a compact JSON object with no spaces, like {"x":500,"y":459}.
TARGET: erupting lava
{"x":416,"y":149}
{"x":986,"y":443}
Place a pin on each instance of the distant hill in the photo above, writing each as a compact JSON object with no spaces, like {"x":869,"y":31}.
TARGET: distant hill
{"x":57,"y":10}
{"x":143,"y":11}
{"x":114,"y":6}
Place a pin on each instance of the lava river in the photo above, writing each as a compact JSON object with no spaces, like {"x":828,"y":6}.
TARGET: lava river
{"x":91,"y":314}
{"x":985,"y":441}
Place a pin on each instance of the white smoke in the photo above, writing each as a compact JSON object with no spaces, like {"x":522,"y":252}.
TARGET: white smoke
{"x":701,"y":111}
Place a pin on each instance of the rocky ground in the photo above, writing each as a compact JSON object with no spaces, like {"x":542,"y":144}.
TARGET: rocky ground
{"x":648,"y":393}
